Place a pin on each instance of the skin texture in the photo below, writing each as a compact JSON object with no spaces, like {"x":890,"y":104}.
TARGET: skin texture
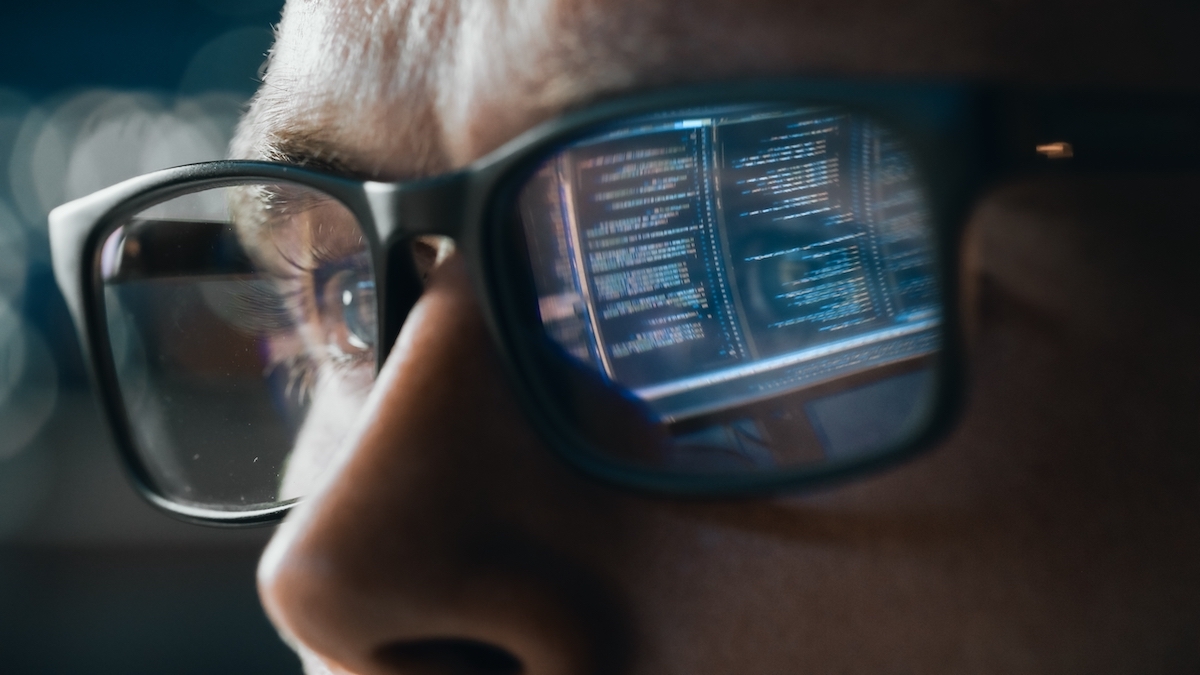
{"x":1056,"y":530}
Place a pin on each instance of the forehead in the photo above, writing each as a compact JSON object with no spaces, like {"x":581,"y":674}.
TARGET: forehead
{"x":392,"y":89}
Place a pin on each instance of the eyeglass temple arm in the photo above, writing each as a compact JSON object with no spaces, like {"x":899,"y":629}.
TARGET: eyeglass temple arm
{"x":1093,"y":131}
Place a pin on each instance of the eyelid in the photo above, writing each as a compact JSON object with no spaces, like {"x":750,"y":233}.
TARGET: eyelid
{"x":325,"y":269}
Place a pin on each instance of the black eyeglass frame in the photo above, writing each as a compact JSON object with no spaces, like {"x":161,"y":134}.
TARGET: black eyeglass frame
{"x":962,"y":139}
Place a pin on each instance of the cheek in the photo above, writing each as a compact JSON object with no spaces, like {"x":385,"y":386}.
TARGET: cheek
{"x":1103,"y":266}
{"x":337,"y":399}
{"x":1083,"y":316}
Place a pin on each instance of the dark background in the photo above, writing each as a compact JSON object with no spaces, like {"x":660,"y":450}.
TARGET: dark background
{"x":92,"y":579}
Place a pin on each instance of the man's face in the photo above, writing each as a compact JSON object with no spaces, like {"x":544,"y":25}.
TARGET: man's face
{"x":1057,"y":529}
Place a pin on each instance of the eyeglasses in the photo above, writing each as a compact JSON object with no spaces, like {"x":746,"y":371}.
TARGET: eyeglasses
{"x":721,"y":290}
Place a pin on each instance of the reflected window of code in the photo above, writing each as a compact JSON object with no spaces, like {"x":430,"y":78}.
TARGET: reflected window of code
{"x":703,"y":260}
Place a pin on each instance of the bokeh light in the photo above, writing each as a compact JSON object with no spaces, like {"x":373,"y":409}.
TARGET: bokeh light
{"x":14,"y":255}
{"x":92,"y":579}
{"x":86,"y":142}
{"x":67,"y":145}
{"x":28,"y":382}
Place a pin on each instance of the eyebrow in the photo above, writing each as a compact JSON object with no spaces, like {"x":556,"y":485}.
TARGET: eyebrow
{"x":309,"y":151}
{"x":269,"y":132}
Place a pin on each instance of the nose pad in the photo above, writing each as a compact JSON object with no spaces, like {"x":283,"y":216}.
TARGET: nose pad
{"x":446,"y":538}
{"x":408,"y":266}
{"x":429,"y":251}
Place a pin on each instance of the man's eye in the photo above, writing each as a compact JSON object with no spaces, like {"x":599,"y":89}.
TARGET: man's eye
{"x":349,"y":309}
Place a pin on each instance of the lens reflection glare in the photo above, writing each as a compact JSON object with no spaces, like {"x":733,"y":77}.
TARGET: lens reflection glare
{"x":761,"y":281}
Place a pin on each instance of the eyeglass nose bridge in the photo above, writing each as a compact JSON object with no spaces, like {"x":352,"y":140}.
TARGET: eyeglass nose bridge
{"x":434,"y":206}
{"x":401,"y":212}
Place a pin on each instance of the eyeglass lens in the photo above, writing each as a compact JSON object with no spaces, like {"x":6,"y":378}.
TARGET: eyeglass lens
{"x":759,"y":282}
{"x":242,"y":327}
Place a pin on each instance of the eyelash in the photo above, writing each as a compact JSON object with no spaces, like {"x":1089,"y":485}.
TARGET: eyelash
{"x":284,"y":306}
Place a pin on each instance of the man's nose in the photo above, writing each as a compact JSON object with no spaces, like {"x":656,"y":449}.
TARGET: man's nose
{"x":447,"y":539}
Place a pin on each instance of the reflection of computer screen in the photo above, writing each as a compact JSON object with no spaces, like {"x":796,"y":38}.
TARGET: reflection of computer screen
{"x":709,"y":260}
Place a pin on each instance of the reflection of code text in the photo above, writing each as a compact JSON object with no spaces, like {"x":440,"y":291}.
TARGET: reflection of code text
{"x":694,"y":298}
{"x":657,"y":339}
{"x":644,"y":254}
{"x":637,"y":282}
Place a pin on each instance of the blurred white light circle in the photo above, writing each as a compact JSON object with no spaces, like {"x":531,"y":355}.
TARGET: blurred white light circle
{"x":20,"y":165}
{"x":24,"y":410}
{"x":28,"y":382}
{"x":14,"y":110}
{"x":39,"y":159}
{"x":108,"y":147}
{"x":192,"y":132}
{"x":14,"y":255}
{"x":12,"y":351}
{"x":99,"y":138}
{"x":217,"y":111}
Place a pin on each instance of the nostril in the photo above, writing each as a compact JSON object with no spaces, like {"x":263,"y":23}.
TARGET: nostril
{"x":448,"y":656}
